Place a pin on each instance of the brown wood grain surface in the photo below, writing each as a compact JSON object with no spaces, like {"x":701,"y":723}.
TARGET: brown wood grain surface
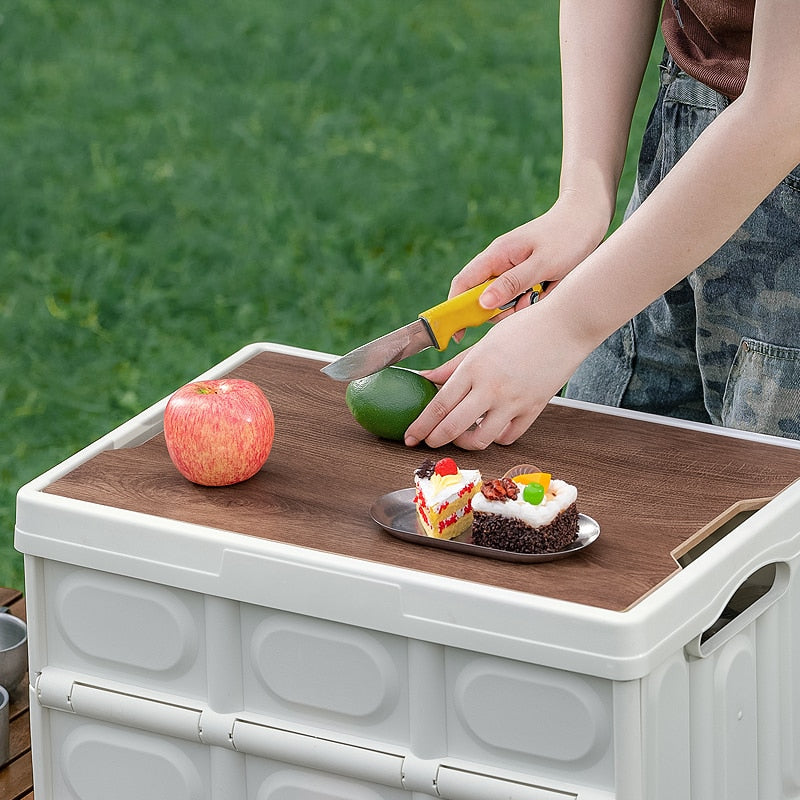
{"x":16,"y":776}
{"x":649,"y":486}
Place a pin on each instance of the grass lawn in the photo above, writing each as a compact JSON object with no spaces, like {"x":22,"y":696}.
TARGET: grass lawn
{"x":181,"y":179}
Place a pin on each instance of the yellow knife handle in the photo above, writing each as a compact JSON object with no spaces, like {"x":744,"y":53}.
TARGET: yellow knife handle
{"x":462,"y":311}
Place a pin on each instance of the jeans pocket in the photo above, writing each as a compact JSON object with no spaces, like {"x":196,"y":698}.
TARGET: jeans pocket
{"x":762,"y":394}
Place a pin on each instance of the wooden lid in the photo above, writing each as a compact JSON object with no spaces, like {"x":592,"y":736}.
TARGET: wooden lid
{"x":650,"y":487}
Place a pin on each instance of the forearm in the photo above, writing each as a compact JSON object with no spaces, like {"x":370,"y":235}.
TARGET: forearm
{"x":605,"y":47}
{"x":741,"y":157}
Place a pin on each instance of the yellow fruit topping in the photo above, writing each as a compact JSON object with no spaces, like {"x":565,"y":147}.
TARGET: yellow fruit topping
{"x":534,"y":477}
{"x":440,"y":482}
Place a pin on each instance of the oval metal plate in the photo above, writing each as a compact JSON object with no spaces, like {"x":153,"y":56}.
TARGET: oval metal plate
{"x":396,"y":514}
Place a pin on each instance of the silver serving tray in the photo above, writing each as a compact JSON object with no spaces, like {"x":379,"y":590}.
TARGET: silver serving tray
{"x":396,"y":514}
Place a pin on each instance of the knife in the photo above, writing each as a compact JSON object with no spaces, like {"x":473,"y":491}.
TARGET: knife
{"x":433,"y":328}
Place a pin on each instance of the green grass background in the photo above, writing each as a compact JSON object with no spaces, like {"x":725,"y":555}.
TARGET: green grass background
{"x":178,"y":180}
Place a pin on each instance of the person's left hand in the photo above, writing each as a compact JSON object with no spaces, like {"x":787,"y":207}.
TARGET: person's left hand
{"x":494,"y":390}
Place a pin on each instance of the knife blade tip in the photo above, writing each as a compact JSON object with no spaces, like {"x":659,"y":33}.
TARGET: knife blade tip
{"x":332,"y":372}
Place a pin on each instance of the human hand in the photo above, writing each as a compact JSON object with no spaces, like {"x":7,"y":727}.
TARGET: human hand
{"x":493,"y":391}
{"x":543,"y":250}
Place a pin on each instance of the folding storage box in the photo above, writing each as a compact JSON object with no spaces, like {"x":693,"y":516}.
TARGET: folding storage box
{"x":269,"y":641}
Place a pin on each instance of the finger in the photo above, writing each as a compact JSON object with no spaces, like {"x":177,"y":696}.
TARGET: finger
{"x":476,"y":271}
{"x":432,"y":416}
{"x":527,"y":299}
{"x":484,"y":432}
{"x":515,"y":429}
{"x":505,"y":288}
{"x":452,"y":418}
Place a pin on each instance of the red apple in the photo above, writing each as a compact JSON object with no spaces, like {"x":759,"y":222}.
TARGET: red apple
{"x":219,"y":432}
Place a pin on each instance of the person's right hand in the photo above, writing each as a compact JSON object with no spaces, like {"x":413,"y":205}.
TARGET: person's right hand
{"x":543,"y":250}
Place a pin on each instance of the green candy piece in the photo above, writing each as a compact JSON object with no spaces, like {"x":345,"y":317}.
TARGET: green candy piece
{"x":533,"y":493}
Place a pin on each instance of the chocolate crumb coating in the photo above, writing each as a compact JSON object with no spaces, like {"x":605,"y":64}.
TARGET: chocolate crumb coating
{"x":516,"y":536}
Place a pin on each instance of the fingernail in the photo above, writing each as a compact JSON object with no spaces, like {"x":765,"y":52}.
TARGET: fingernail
{"x":410,"y":441}
{"x":488,"y":299}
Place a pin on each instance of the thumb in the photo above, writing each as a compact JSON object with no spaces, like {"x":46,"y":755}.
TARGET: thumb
{"x":503,"y":289}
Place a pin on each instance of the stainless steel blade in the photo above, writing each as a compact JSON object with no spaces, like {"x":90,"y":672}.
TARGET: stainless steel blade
{"x":382,"y":352}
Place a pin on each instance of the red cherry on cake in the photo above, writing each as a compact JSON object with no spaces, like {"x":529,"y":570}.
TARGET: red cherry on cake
{"x":446,"y":466}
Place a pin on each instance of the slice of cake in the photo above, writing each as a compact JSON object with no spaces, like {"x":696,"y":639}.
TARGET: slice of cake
{"x":527,"y":513}
{"x":443,"y":497}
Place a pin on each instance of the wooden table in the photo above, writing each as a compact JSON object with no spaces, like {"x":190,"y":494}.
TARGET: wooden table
{"x":16,"y":777}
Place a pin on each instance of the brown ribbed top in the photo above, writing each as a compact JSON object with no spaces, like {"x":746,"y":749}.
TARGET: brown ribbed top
{"x":710,"y":40}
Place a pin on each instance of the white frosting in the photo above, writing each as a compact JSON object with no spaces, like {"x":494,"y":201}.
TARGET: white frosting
{"x":435,"y":493}
{"x":560,"y":496}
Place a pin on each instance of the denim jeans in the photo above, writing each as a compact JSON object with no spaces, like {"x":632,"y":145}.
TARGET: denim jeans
{"x":723,"y":345}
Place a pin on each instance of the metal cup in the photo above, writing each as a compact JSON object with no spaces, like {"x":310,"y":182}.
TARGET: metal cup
{"x":13,"y":650}
{"x":4,"y":739}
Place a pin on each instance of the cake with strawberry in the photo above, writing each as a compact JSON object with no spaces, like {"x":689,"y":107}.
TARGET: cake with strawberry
{"x":443,"y":497}
{"x":525,"y":512}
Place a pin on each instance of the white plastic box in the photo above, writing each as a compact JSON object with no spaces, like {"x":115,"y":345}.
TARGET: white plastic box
{"x":173,"y":660}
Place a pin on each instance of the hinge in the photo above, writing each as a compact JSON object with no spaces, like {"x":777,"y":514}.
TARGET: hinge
{"x":57,"y":689}
{"x":464,"y":784}
{"x":317,"y":752}
{"x":120,"y":704}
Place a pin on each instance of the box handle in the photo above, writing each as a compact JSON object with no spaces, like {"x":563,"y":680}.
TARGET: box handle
{"x":751,"y":599}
